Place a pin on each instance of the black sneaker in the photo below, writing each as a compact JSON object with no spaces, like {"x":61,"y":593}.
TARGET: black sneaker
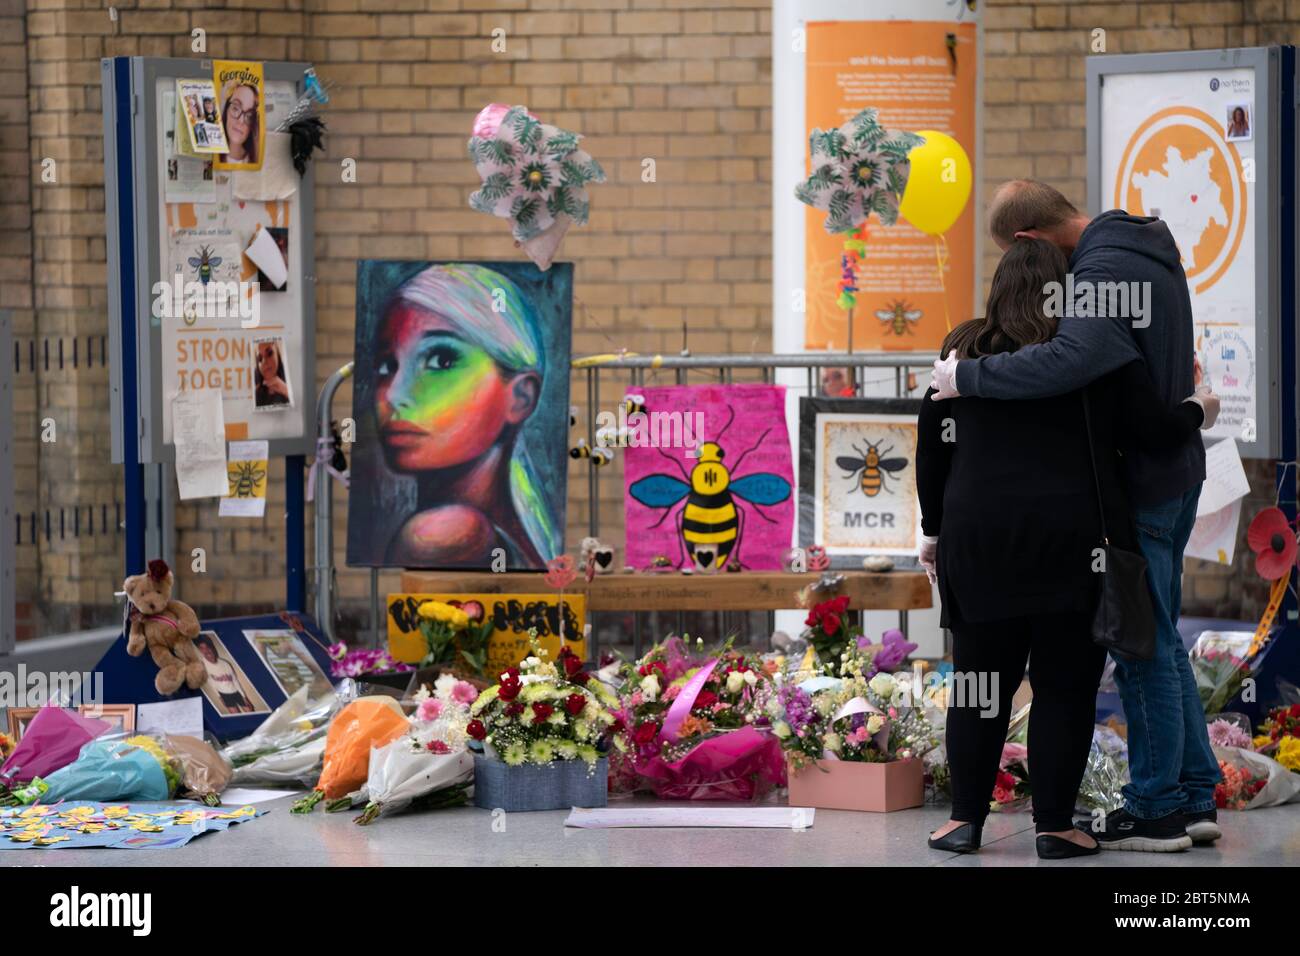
{"x":1203,"y":826}
{"x":1120,"y":830}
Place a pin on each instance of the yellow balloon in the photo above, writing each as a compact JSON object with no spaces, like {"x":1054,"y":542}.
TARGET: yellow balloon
{"x":938,"y":185}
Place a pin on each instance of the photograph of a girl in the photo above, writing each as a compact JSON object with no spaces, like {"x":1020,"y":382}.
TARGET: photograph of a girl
{"x":1238,"y":123}
{"x":227,"y":688}
{"x":239,"y":117}
{"x":270,"y":377}
{"x":461,"y":403}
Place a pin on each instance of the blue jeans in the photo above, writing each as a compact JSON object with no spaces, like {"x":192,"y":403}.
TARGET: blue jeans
{"x":1170,"y":763}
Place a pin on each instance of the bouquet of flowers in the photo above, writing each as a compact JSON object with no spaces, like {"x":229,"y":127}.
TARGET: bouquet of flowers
{"x":365,"y":723}
{"x":362,"y":661}
{"x":428,"y":767}
{"x":1220,"y":667}
{"x":135,"y":768}
{"x":289,"y":746}
{"x":1011,"y":785}
{"x":456,"y":634}
{"x":1106,"y":771}
{"x":829,"y":631}
{"x":864,"y":714}
{"x":1240,"y":784}
{"x":697,"y":729}
{"x":1281,"y":730}
{"x":53,"y":739}
{"x":543,"y":711}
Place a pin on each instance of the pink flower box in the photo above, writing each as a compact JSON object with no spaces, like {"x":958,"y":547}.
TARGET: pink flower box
{"x":853,"y":785}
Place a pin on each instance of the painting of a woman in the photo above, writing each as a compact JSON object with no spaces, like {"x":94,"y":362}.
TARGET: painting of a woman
{"x":458,"y":394}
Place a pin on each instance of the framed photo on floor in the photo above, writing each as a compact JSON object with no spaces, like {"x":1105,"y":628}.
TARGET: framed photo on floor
{"x":857,"y":478}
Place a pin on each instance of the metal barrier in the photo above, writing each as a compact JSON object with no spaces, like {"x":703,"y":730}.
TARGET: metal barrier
{"x":640,"y":371}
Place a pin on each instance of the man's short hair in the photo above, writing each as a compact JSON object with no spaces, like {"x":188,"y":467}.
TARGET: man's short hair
{"x":1025,"y":204}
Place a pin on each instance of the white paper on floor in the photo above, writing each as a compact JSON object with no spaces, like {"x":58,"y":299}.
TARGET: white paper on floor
{"x":242,"y":796}
{"x":772,"y":818}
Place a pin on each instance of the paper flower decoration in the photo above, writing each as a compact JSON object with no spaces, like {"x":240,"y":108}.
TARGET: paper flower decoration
{"x":857,"y":169}
{"x":1272,"y":539}
{"x":560,"y":572}
{"x":533,"y":174}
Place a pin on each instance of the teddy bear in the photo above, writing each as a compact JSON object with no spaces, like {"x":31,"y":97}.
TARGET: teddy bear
{"x":166,"y":627}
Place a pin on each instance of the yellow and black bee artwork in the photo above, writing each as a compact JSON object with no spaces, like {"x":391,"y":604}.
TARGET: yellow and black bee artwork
{"x":871,"y":471}
{"x":899,"y":319}
{"x":247,"y":478}
{"x":716,"y":501}
{"x":204,"y":263}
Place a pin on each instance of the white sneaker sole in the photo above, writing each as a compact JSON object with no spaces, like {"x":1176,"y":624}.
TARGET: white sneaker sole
{"x":1149,"y":844}
{"x":1204,"y":831}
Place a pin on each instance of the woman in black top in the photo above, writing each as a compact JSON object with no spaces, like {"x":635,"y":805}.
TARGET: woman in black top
{"x":1008,"y":490}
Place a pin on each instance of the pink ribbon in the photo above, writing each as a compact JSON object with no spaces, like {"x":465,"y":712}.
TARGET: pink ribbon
{"x":681,"y":707}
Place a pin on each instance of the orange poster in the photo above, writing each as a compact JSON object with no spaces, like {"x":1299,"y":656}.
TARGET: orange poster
{"x":905,"y":70}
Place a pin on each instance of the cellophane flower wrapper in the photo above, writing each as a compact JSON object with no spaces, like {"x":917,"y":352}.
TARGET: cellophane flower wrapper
{"x":205,"y":773}
{"x":1220,"y":671}
{"x":740,"y":764}
{"x":113,"y":769}
{"x":400,"y":775}
{"x":54,"y":738}
{"x":429,"y":766}
{"x":288,"y":747}
{"x":1253,"y":780}
{"x":1105,"y":773}
{"x":365,"y":723}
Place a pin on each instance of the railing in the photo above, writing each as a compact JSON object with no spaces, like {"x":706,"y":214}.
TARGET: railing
{"x":640,"y":370}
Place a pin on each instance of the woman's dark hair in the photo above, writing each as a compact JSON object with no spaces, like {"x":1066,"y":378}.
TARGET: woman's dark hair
{"x":1015,"y":314}
{"x":204,"y":639}
{"x":279,"y":365}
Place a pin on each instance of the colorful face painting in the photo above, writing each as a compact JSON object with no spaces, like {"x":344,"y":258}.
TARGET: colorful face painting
{"x":709,"y":476}
{"x":461,"y":403}
{"x":857,"y":477}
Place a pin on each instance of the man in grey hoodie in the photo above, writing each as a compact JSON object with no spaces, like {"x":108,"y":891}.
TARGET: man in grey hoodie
{"x":1126,"y":298}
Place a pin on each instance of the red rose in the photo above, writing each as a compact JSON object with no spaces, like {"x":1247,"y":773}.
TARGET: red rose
{"x":1294,"y":710}
{"x":541,"y":712}
{"x":574,"y":704}
{"x":579,"y":678}
{"x":510,"y":689}
{"x":705,"y":700}
{"x":476,"y":729}
{"x":1006,"y":781}
{"x":514,"y":709}
{"x":645,"y":733}
{"x":831,"y":624}
{"x":438,"y":747}
{"x":839,"y":605}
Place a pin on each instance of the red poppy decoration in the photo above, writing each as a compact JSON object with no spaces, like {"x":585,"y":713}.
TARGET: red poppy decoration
{"x":1272,"y":539}
{"x":560,"y":572}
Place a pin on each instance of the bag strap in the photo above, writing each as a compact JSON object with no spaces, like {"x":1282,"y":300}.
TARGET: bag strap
{"x":1092,"y":458}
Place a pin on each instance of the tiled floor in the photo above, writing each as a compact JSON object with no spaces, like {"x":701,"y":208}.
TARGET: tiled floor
{"x":467,"y":836}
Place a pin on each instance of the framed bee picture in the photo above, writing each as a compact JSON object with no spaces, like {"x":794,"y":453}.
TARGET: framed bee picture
{"x":857,"y":478}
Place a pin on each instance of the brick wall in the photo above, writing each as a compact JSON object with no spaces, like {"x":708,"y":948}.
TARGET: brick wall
{"x":683,"y":82}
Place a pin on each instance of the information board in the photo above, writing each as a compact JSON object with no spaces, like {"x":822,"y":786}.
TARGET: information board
{"x":1192,"y":138}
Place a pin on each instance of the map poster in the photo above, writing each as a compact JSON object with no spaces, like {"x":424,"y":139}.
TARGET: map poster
{"x":903,"y":69}
{"x":1181,"y":145}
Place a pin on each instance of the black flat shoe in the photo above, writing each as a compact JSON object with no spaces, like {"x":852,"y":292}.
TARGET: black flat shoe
{"x":964,"y":839}
{"x":1057,"y":848}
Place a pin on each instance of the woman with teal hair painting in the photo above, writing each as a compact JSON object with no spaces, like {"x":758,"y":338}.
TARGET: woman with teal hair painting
{"x":458,"y":371}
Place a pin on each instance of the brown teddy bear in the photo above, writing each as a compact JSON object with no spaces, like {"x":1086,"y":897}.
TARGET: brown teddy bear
{"x":166,"y":627}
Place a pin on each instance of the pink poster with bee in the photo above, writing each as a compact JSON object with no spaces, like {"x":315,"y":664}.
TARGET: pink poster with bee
{"x":708,"y":476}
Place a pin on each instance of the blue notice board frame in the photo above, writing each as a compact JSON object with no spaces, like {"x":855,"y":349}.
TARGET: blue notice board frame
{"x":130,"y":185}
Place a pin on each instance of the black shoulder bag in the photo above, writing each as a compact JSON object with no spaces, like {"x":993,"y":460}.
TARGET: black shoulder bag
{"x":1125,"y":621}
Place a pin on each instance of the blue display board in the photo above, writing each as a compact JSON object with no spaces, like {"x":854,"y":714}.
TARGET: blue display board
{"x":254,"y":664}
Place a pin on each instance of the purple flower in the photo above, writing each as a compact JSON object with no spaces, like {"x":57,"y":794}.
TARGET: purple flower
{"x":894,"y":649}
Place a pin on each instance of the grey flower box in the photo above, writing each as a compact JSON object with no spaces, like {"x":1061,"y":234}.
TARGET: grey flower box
{"x":558,"y":785}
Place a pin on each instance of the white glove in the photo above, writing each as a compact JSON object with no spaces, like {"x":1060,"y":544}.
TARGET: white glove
{"x":1209,"y":403}
{"x":929,"y":555}
{"x":944,"y":379}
